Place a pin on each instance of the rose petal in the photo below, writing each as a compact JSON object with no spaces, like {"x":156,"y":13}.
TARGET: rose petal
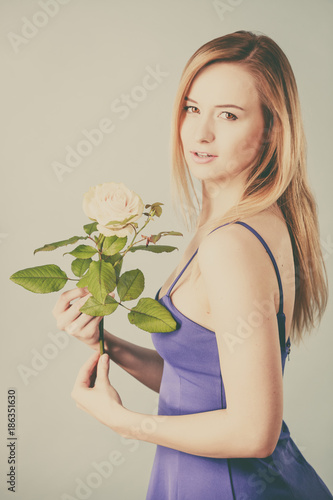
{"x":120,"y":232}
{"x":112,"y":201}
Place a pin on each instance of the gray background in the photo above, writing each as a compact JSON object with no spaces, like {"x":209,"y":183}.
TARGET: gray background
{"x":63,"y":80}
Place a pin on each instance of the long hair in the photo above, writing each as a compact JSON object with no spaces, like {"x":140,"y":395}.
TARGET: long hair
{"x":278,"y":173}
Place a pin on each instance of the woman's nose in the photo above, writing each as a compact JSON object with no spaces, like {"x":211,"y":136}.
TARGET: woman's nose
{"x":204,"y":131}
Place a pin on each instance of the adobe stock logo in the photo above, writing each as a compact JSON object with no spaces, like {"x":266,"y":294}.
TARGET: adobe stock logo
{"x":223,"y":8}
{"x":40,"y":19}
{"x":42,"y":357}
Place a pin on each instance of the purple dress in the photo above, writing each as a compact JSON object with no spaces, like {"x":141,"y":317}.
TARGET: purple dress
{"x":192,"y":383}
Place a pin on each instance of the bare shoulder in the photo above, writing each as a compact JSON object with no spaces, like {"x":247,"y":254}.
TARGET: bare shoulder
{"x":232,"y":238}
{"x":234,"y":249}
{"x":231,"y":253}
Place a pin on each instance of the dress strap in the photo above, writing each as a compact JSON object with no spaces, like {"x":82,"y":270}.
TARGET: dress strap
{"x":266,"y":248}
{"x":188,"y":263}
{"x":280,"y":315}
{"x":181,"y":273}
{"x":272,"y":259}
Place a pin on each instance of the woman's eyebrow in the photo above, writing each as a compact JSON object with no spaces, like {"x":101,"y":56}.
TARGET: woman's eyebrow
{"x":218,"y":106}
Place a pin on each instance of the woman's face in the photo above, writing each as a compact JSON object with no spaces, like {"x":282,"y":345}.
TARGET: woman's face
{"x":222,"y":124}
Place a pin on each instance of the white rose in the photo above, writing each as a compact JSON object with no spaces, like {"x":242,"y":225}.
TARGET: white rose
{"x":112,"y":202}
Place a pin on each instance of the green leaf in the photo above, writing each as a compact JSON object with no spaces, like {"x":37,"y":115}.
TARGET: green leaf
{"x":113,"y":244}
{"x":41,"y":279}
{"x":90,"y":228}
{"x":156,"y":209}
{"x":155,"y":237}
{"x":101,"y":279}
{"x":80,"y":266}
{"x":99,"y":241}
{"x":83,"y":281}
{"x":95,"y":308}
{"x":52,"y":246}
{"x":151,"y":316}
{"x":82,"y":252}
{"x":117,"y":262}
{"x":153,"y":248}
{"x":131,"y":285}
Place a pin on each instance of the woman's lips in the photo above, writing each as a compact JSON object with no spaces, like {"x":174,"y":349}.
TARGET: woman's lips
{"x":202,"y":159}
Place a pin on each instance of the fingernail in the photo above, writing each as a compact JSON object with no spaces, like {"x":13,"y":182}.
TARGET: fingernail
{"x":105,"y":358}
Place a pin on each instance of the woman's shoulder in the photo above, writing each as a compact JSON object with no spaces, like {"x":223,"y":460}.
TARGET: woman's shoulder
{"x":269,"y":224}
{"x":236,"y":247}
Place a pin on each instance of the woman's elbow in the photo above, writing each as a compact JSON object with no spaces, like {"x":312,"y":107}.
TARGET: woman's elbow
{"x":264,"y":451}
{"x":250,"y":451}
{"x":256,"y":447}
{"x":265,"y":445}
{"x":257,"y":439}
{"x":264,"y":434}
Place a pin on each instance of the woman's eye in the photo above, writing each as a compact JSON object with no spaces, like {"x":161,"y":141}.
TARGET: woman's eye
{"x":230,"y":116}
{"x":190,"y":109}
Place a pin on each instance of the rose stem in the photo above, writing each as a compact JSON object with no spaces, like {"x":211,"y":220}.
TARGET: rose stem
{"x":101,"y":336}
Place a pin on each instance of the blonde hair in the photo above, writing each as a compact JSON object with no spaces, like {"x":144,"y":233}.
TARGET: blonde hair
{"x":278,"y":174}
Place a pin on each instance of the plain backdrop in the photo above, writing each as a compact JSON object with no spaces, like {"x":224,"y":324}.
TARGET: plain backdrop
{"x":66,"y":67}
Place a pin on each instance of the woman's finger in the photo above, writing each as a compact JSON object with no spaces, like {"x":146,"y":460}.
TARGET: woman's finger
{"x":81,"y":322}
{"x":103,"y":365}
{"x":83,"y":380}
{"x":63,"y":303}
{"x":72,"y":313}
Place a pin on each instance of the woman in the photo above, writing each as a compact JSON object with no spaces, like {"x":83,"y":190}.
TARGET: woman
{"x":251,"y":280}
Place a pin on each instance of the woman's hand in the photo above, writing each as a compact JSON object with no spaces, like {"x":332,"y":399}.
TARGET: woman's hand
{"x":71,"y":320}
{"x":146,"y":365}
{"x":94,"y":394}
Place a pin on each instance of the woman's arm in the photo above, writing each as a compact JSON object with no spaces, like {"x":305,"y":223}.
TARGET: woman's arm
{"x":146,"y":365}
{"x":238,"y":277}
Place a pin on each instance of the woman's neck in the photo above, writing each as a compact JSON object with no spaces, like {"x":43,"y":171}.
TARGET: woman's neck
{"x":218,"y":198}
